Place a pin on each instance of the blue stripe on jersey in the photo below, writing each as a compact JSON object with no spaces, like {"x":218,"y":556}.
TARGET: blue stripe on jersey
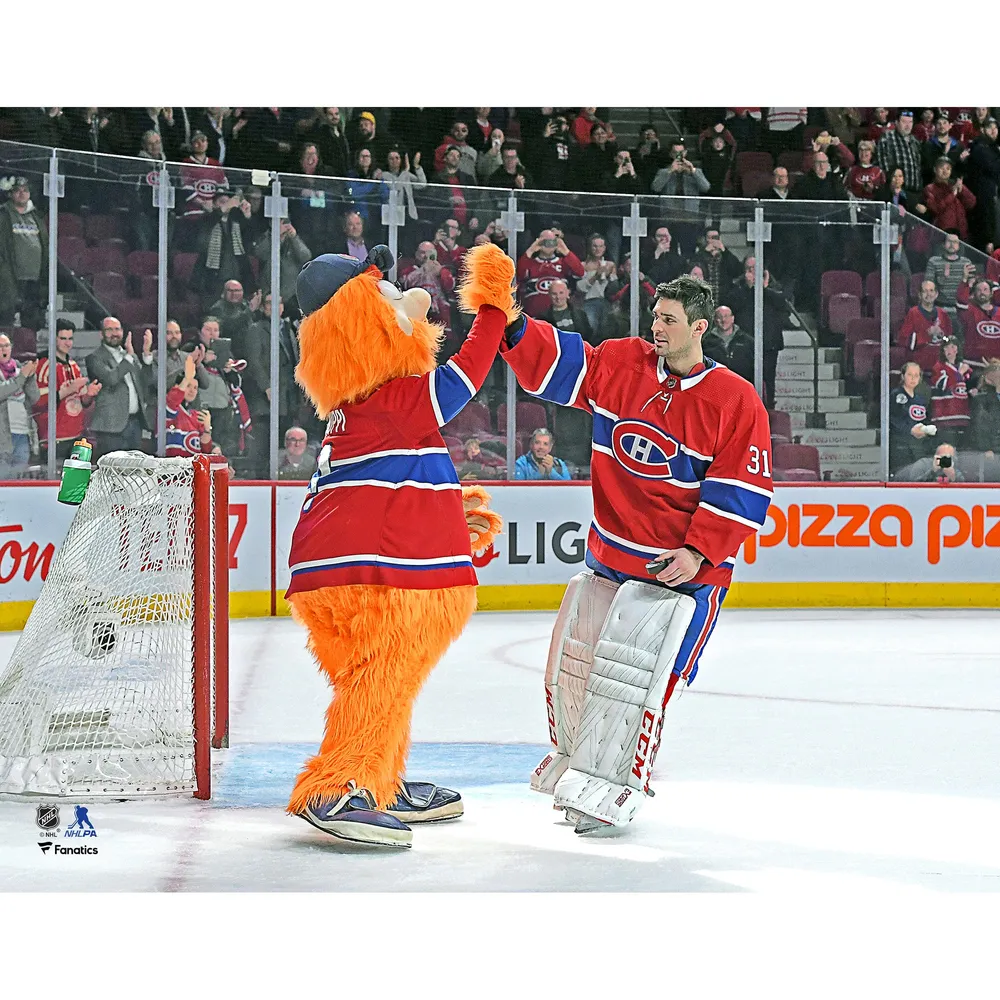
{"x":451,"y":392}
{"x":560,"y":386}
{"x":736,"y":500}
{"x":459,"y":562}
{"x":434,"y":469}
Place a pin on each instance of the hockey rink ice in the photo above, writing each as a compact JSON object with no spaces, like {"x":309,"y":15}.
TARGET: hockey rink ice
{"x":818,"y":751}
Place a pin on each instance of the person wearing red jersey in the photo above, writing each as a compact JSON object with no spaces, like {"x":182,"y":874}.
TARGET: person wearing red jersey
{"x":950,"y":393}
{"x":980,"y":320}
{"x":865,"y":177}
{"x":189,"y":432}
{"x":546,"y":259}
{"x":925,"y":327}
{"x":76,"y":393}
{"x":681,"y":476}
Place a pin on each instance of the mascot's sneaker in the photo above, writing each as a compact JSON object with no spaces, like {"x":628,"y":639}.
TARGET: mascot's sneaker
{"x":353,"y":817}
{"x":422,"y":802}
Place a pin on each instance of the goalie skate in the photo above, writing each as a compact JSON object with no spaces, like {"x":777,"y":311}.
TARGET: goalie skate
{"x":353,"y":817}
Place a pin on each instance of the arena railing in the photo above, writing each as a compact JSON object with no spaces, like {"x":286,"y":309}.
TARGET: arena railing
{"x":814,"y":284}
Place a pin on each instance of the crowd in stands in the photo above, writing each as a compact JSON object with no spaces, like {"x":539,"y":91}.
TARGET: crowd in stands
{"x":454,"y":170}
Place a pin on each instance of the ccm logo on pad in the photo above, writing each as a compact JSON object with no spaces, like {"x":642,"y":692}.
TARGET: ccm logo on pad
{"x":642,"y":745}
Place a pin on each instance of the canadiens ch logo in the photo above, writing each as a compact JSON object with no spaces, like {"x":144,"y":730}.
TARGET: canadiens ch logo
{"x":918,"y":412}
{"x":989,"y":329}
{"x":642,"y":449}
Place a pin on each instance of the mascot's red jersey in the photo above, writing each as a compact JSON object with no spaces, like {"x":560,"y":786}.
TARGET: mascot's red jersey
{"x":373,"y":512}
{"x":676,"y":461}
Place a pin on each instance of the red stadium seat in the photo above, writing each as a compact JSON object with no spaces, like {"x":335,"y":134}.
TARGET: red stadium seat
{"x":791,"y":160}
{"x":862,"y":328}
{"x":873,"y":286}
{"x":915,"y":282}
{"x":797,"y":461}
{"x":70,"y":225}
{"x":755,"y":181}
{"x":841,"y":283}
{"x":841,"y":309}
{"x":142,"y":262}
{"x":97,"y":260}
{"x":148,"y":286}
{"x":71,"y":248}
{"x":897,"y":358}
{"x":781,"y":427}
{"x":102,"y":227}
{"x":472,"y":420}
{"x":748,"y":162}
{"x":867,"y":360}
{"x":529,"y":417}
{"x":23,"y":342}
{"x":182,"y":265}
{"x":109,"y":289}
{"x":897,"y":313}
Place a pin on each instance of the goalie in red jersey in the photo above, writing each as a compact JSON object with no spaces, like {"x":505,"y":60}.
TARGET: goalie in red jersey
{"x":681,"y":475}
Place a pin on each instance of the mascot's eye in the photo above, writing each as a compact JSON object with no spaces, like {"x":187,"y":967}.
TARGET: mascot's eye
{"x":390,"y":290}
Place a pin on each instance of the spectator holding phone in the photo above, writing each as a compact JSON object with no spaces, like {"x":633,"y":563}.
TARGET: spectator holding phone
{"x":438,"y":281}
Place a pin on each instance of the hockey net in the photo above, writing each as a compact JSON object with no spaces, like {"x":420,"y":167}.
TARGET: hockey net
{"x":119,"y":681}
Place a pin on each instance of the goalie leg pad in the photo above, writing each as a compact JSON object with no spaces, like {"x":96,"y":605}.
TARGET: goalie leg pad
{"x":581,"y":617}
{"x":625,"y":697}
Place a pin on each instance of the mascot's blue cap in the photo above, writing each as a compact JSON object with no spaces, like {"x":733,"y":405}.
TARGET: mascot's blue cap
{"x":320,"y":278}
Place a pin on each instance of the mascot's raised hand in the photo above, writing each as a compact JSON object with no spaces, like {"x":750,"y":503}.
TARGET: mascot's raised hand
{"x":381,"y":558}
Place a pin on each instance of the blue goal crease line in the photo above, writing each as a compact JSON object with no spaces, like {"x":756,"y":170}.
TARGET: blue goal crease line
{"x":261,"y":775}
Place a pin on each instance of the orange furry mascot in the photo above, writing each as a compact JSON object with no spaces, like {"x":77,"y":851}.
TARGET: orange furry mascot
{"x":381,"y":558}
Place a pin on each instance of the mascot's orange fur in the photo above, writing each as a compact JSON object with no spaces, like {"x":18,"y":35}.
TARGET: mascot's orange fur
{"x":377,"y":644}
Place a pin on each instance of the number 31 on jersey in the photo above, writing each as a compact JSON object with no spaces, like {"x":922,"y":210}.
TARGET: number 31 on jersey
{"x":757,"y":459}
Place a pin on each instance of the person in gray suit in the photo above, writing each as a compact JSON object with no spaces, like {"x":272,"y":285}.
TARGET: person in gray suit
{"x":119,"y":418}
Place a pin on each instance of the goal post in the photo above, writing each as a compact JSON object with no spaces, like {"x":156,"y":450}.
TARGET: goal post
{"x":118,"y":686}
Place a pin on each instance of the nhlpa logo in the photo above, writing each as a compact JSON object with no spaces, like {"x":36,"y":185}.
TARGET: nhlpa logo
{"x":918,"y":412}
{"x":643,"y":449}
{"x":81,"y":825}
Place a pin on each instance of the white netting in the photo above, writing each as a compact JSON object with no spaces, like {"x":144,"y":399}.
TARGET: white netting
{"x":97,"y":698}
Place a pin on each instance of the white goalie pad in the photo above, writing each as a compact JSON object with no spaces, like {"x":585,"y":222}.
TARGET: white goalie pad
{"x":581,"y":617}
{"x":608,"y":770}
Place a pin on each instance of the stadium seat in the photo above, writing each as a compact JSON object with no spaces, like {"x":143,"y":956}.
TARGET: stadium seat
{"x":897,"y":313}
{"x":861,"y":328}
{"x":897,"y":358}
{"x":749,"y":162}
{"x":867,"y":360}
{"x":841,"y":283}
{"x":148,"y":286}
{"x":109,"y":289}
{"x":915,"y":282}
{"x":23,"y":342}
{"x":70,"y":250}
{"x":791,"y":160}
{"x":873,"y":286}
{"x":182,"y":265}
{"x":98,"y":260}
{"x":781,"y":427}
{"x":841,"y":309}
{"x":473,"y":419}
{"x":142,"y":262}
{"x":754,"y":182}
{"x":797,"y":461}
{"x":529,"y":417}
{"x":70,"y":225}
{"x":102,"y":227}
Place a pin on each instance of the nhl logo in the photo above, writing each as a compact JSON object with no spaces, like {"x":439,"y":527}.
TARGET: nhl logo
{"x":47,"y":817}
{"x":671,"y":383}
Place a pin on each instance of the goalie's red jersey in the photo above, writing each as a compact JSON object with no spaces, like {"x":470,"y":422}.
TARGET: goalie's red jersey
{"x":676,"y":461}
{"x":385,"y":503}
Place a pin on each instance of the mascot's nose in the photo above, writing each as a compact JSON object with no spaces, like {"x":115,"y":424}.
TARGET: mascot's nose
{"x":416,"y":302}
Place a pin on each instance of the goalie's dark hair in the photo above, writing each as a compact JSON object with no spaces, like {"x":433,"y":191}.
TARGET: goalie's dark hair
{"x":694,"y":295}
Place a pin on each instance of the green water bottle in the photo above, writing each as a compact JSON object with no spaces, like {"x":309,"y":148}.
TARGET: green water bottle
{"x":76,"y":474}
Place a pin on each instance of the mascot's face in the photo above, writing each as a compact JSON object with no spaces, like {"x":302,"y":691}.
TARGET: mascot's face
{"x":368,"y":333}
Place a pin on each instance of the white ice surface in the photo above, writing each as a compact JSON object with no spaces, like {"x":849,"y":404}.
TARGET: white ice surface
{"x":830,"y":752}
